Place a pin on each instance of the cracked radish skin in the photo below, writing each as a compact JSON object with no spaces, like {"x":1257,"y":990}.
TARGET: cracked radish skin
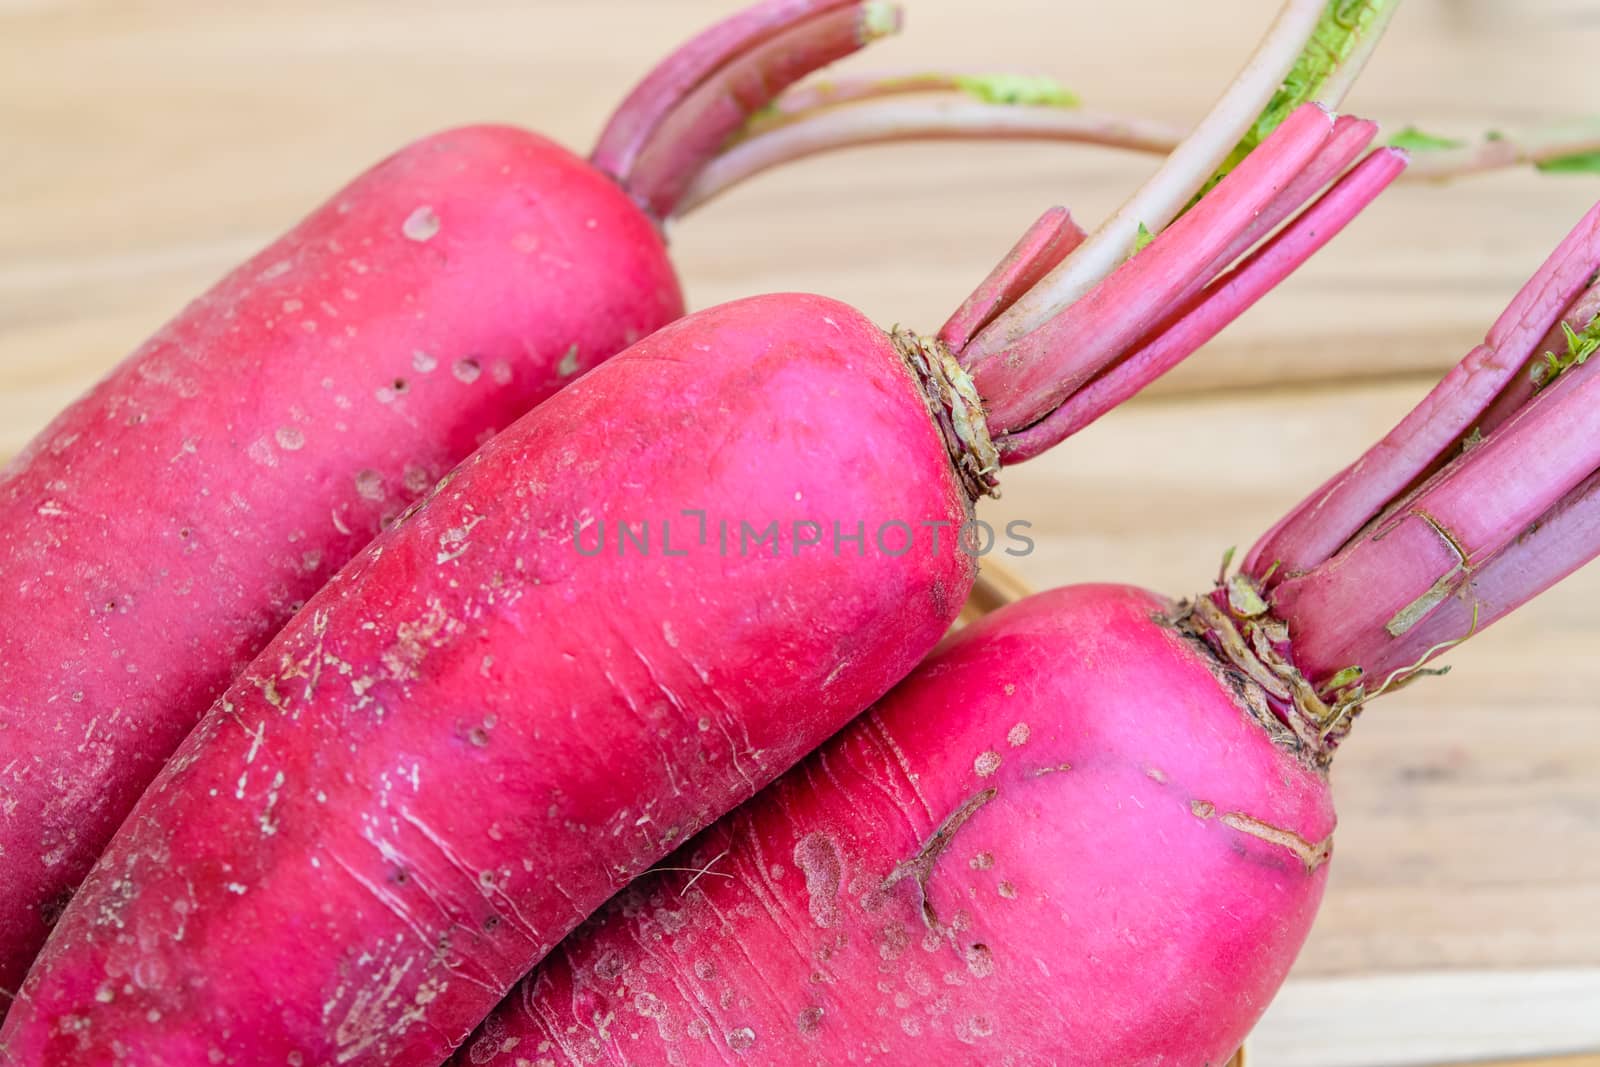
{"x":1067,"y":838}
{"x":158,"y":533}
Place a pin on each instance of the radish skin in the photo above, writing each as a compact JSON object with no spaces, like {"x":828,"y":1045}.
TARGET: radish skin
{"x":301,"y":404}
{"x":1064,"y":840}
{"x":354,"y":857}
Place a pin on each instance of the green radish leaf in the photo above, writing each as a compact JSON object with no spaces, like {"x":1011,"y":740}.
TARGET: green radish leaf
{"x":1244,"y":599}
{"x":1347,"y":677}
{"x":1582,"y":163}
{"x":879,"y":19}
{"x":1017,"y":89}
{"x":1580,"y":346}
{"x":1414,"y":140}
{"x":1142,"y":239}
{"x":1340,"y":32}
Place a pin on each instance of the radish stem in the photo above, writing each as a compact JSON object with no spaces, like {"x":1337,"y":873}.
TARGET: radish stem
{"x":819,"y":95}
{"x":1047,"y":242}
{"x":1035,"y":375}
{"x":1169,"y":189}
{"x":1345,"y":38}
{"x":1222,"y":303}
{"x":1563,"y":541}
{"x":700,"y":123}
{"x":1544,"y":146}
{"x":638,"y":117}
{"x":1331,"y":518}
{"x":890,"y":120}
{"x":1388,"y":584}
{"x":1436,"y":533}
{"x":1536,"y":373}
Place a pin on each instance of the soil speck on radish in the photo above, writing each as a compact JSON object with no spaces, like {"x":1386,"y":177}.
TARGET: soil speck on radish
{"x":569,"y":363}
{"x":421,"y":225}
{"x":817,"y":855}
{"x":369,"y":485}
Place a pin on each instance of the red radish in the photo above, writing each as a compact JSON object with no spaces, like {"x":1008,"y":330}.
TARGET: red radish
{"x":1059,"y":842}
{"x":481,"y":728}
{"x":158,"y":533}
{"x":1093,"y":827}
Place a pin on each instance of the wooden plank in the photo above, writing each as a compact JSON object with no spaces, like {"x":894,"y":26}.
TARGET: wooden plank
{"x":1432,"y":1020}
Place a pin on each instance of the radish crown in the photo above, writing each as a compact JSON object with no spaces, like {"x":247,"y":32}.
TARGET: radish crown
{"x":1485,"y":495}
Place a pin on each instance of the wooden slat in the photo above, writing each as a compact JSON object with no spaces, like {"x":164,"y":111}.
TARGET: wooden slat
{"x":1434,"y":1020}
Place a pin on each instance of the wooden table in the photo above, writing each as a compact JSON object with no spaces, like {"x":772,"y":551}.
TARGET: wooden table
{"x":146,"y":145}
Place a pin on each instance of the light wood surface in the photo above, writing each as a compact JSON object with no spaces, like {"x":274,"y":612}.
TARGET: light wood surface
{"x":1422,"y":1020}
{"x":146,"y":145}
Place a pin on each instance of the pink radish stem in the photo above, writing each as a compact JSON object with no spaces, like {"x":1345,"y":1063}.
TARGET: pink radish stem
{"x":638,"y":117}
{"x":1349,"y":610}
{"x":1025,"y":381}
{"x":1173,"y":185}
{"x":1223,"y":303}
{"x":1533,"y":373}
{"x":1564,"y":540}
{"x":890,"y":120}
{"x":1500,"y":149}
{"x":1047,"y":242}
{"x":1349,"y":139}
{"x":1331,"y":518}
{"x":697,"y":128}
{"x":815,"y":98}
{"x":1435,"y":533}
